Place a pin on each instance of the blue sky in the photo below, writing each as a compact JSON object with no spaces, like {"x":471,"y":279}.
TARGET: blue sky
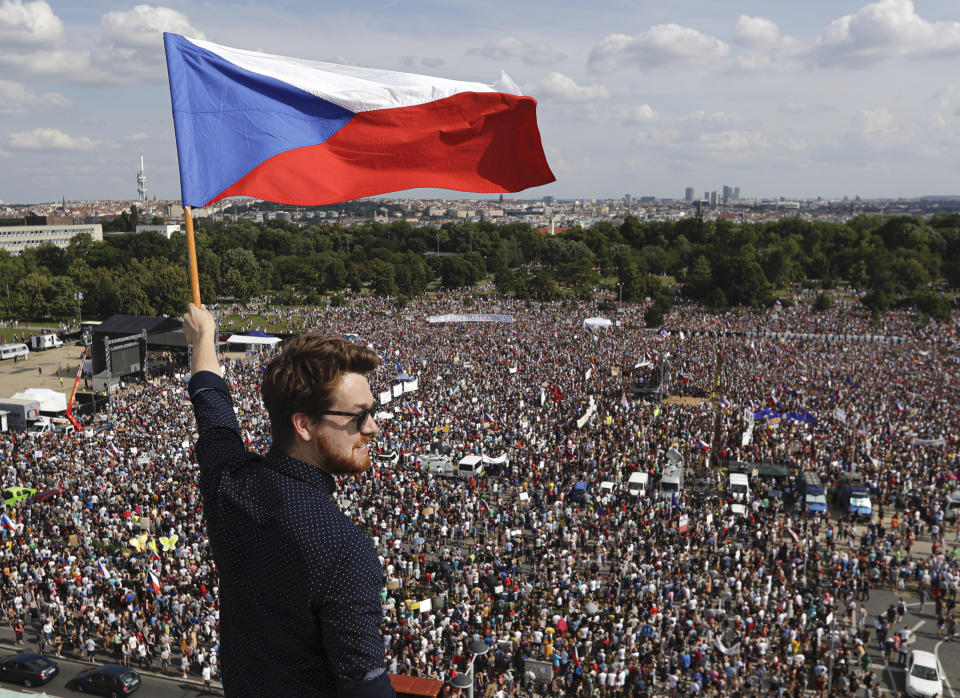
{"x":644,"y":98}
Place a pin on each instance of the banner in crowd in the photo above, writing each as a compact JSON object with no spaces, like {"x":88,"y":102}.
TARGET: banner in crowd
{"x":469,"y":317}
{"x":588,"y":414}
{"x":804,"y":417}
{"x":930,"y":442}
{"x":748,"y":434}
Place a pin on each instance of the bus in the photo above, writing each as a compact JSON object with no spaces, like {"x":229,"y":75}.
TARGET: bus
{"x":14,"y":351}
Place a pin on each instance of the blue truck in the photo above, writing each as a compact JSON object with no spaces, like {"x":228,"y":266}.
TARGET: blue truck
{"x":811,"y":489}
{"x":854,"y":496}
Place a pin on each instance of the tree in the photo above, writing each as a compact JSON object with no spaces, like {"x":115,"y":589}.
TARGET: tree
{"x":699,"y":278}
{"x":241,"y":273}
{"x":383,"y":278}
{"x":131,"y":298}
{"x":543,"y":286}
{"x":31,"y":296}
{"x":822,"y":303}
{"x":167,"y":289}
{"x":61,"y":298}
{"x":334,"y":275}
{"x":413,"y":275}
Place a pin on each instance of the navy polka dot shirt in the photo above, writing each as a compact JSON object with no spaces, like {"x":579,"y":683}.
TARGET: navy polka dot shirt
{"x":299,"y":581}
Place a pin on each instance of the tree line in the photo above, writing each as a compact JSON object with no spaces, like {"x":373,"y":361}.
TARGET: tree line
{"x":898,"y":261}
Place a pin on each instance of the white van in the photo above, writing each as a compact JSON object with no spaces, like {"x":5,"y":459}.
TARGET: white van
{"x":952,"y":507}
{"x":438,"y":464}
{"x":638,"y":483}
{"x":10,"y":351}
{"x":39,"y":342}
{"x":739,"y":487}
{"x":672,"y":481}
{"x":470,"y":466}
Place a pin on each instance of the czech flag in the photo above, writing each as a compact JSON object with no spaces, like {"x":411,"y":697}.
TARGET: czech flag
{"x":7,"y":522}
{"x":153,"y":582}
{"x":102,"y":570}
{"x":704,"y":446}
{"x":310,"y":133}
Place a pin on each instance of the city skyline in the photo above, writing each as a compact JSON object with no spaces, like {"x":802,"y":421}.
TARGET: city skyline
{"x":829,"y":99}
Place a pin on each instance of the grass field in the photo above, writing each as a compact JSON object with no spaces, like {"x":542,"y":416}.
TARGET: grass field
{"x":12,"y":334}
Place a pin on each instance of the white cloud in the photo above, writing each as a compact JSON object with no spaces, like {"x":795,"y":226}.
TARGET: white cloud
{"x":48,"y":63}
{"x":639,"y":115}
{"x":718,"y":118}
{"x":559,"y":87}
{"x":884,"y":31}
{"x":412,"y":61}
{"x":130,"y":43}
{"x":29,"y":23}
{"x":143,"y":26}
{"x":17,"y":99}
{"x":50,"y":139}
{"x":661,"y":45}
{"x":739,"y":142}
{"x":875,"y":122}
{"x":805,"y":108}
{"x":756,"y":31}
{"x":512,"y":47}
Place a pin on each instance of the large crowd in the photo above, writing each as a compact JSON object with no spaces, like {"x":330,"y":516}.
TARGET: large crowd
{"x":602,"y":594}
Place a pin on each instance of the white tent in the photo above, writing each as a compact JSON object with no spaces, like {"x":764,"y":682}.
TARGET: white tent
{"x":50,"y":400}
{"x":594,"y":323}
{"x":252,"y":339}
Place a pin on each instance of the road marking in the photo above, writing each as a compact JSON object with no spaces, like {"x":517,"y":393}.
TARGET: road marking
{"x":936,"y":653}
{"x":888,"y":667}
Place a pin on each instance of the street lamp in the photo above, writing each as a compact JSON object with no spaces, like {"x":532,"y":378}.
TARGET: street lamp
{"x":620,"y":289}
{"x":79,"y":296}
{"x":465,"y":680}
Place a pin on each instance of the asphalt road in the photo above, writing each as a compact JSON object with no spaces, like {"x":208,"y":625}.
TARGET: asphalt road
{"x":151,"y":686}
{"x":923,"y":636}
{"x":154,"y":684}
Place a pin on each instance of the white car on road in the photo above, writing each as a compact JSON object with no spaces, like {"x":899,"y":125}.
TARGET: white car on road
{"x":924,"y":675}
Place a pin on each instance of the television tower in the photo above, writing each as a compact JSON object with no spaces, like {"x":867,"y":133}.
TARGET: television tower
{"x":141,"y":182}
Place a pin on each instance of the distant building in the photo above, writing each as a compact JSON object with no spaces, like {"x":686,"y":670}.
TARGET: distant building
{"x":166,"y":229}
{"x":548,"y":199}
{"x":688,"y":194}
{"x":18,"y":234}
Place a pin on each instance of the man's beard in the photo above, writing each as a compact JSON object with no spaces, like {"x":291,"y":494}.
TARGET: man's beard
{"x":338,"y":463}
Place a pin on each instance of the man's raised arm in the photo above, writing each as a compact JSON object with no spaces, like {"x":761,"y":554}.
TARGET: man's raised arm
{"x":200,"y":329}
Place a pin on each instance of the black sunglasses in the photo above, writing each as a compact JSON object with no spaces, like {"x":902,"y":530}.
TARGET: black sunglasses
{"x":361,"y":417}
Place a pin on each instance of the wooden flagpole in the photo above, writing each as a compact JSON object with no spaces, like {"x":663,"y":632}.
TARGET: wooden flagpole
{"x":192,"y":257}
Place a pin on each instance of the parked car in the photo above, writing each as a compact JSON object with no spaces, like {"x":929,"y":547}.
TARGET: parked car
{"x":110,"y":680}
{"x":46,"y":494}
{"x":15,"y":494}
{"x":924,"y":675}
{"x":28,"y":669}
